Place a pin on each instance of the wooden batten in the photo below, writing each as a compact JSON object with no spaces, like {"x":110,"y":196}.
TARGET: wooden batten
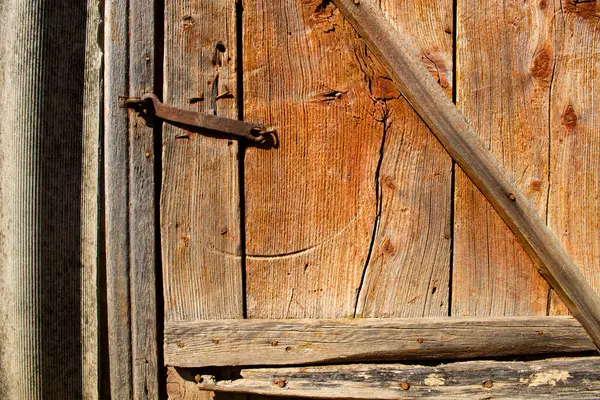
{"x":294,"y":342}
{"x":552,"y":378}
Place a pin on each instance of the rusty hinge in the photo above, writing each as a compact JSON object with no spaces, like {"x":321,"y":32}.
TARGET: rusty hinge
{"x":151,"y":106}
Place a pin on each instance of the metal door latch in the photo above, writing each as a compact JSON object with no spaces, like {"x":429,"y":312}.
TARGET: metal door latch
{"x":150,"y":105}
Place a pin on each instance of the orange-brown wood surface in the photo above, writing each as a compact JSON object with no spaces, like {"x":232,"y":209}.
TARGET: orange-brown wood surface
{"x":504,"y":73}
{"x":526,"y":73}
{"x":574,"y":193}
{"x":200,"y":204}
{"x":350,"y":215}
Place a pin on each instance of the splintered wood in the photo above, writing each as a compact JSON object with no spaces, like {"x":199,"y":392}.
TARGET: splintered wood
{"x":554,"y":379}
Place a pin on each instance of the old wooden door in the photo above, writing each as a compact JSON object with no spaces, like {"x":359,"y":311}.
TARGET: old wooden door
{"x":356,"y":211}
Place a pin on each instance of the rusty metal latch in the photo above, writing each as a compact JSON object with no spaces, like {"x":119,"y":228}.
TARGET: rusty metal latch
{"x":150,"y":105}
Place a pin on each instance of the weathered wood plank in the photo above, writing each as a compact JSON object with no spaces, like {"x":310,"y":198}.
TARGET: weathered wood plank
{"x":574,"y":209}
{"x":552,"y":378}
{"x":142,"y":202}
{"x":324,"y":238}
{"x":200,"y":201}
{"x":200,"y":217}
{"x":116,"y":159}
{"x":92,"y":385}
{"x":460,"y":140}
{"x":407,"y":272}
{"x":130,"y":188}
{"x":311,"y":203}
{"x":504,"y":73}
{"x":292,"y":342}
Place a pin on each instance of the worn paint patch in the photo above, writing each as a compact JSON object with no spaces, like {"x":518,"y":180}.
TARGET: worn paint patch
{"x":550,"y":377}
{"x":434,"y":380}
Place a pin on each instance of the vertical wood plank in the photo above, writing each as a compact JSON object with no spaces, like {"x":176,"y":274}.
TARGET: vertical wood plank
{"x":116,"y":159}
{"x":200,"y":198}
{"x":574,"y":193}
{"x":504,"y":75}
{"x":201,"y":240}
{"x":129,"y":180}
{"x":90,"y":199}
{"x":311,"y":203}
{"x":408,"y":271}
{"x":142,"y":224}
{"x":337,"y":217}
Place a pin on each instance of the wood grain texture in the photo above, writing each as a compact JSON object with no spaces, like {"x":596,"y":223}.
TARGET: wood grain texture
{"x":308,"y":341}
{"x":90,"y":198}
{"x":322,"y":210}
{"x":200,"y":200}
{"x":504,"y":73}
{"x":116,"y":159}
{"x":311,"y":203}
{"x":407,"y":272}
{"x":548,"y":379}
{"x":41,"y":204}
{"x":574,"y":209}
{"x":142,"y":224}
{"x":130,"y":188}
{"x":200,"y":217}
{"x":462,"y":143}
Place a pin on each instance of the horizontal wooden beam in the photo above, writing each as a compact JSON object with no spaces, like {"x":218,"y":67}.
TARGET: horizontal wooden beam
{"x":309,"y":341}
{"x":554,"y":378}
{"x":462,"y":143}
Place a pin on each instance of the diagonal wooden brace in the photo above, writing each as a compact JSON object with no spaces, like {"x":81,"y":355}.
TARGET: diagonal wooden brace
{"x":462,"y":143}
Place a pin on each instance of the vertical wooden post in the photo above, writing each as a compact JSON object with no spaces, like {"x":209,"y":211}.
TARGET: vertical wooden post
{"x":42,"y":200}
{"x":130,"y":221}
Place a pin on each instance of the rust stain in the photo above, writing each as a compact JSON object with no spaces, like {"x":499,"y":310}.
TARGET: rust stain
{"x":388,"y":247}
{"x":535,"y":185}
{"x":541,"y":65}
{"x":569,"y":117}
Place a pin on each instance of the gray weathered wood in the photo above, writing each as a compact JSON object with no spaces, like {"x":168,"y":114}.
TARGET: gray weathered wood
{"x":116,"y":159}
{"x":41,"y":201}
{"x":551,"y":379}
{"x":129,"y":180}
{"x":142,"y":205}
{"x":461,"y":142}
{"x":92,"y":125}
{"x":305,"y":341}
